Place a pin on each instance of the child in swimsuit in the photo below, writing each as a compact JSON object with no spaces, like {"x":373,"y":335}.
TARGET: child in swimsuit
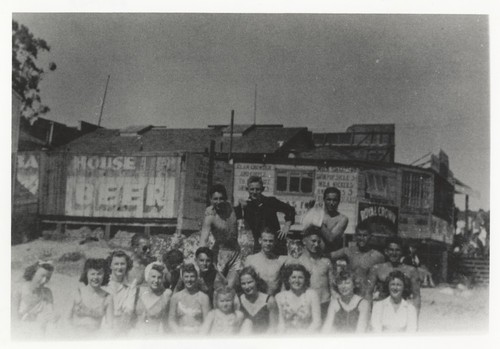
{"x":225,"y":319}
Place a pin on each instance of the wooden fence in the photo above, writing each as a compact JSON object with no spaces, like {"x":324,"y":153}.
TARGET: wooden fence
{"x":477,"y":267}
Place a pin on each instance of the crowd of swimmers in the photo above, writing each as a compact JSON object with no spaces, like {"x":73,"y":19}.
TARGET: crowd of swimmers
{"x":295,"y":282}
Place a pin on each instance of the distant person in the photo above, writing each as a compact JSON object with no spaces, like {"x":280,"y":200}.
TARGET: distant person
{"x":411,"y":258}
{"x":122,"y":292}
{"x":320,"y":268}
{"x":361,"y":257}
{"x":188,"y":307}
{"x":220,"y":220}
{"x":92,"y":307}
{"x":33,"y":304}
{"x":225,"y":318}
{"x":377,"y":278}
{"x":141,"y":256}
{"x":394,"y":313}
{"x":298,"y":305}
{"x":152,"y":301}
{"x":172,"y":260}
{"x":349,"y":312}
{"x":260,"y":212}
{"x":331,"y":222}
{"x":266,"y":263}
{"x":257,"y":304}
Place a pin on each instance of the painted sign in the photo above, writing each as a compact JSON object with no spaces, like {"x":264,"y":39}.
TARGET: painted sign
{"x":344,"y":178}
{"x":382,"y":218}
{"x":27,"y":176}
{"x":121,"y":186}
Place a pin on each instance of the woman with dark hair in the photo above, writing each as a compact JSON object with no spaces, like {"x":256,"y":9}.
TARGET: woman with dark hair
{"x":349,"y":312}
{"x":152,"y":300}
{"x":123,"y":294}
{"x":394,"y":313}
{"x":188,"y":307}
{"x":33,"y":303}
{"x":91,"y":304}
{"x":298,"y":306}
{"x":257,"y":306}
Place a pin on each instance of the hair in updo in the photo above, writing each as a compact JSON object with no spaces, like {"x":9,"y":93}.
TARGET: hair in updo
{"x":30,"y":271}
{"x":120,"y":254}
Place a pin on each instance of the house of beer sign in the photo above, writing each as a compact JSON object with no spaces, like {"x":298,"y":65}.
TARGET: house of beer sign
{"x":121,"y":186}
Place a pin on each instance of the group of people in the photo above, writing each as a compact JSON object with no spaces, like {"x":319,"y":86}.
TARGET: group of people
{"x":324,"y":288}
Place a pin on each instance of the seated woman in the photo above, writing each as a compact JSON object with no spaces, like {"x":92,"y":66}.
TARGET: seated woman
{"x":394,"y":313}
{"x":348,"y":312}
{"x":298,"y":305}
{"x":225,"y":318}
{"x":257,"y":306}
{"x":123,"y":294}
{"x":188,"y":307}
{"x":91,"y":304}
{"x":33,"y":304}
{"x":152,"y":301}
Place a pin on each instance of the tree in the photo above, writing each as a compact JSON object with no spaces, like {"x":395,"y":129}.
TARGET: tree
{"x":26,"y":71}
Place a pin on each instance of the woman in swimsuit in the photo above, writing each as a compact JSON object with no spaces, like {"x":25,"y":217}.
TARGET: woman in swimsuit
{"x":257,"y":306}
{"x":298,"y":306}
{"x":189,"y":307}
{"x":123,"y":294}
{"x":225,"y":318}
{"x":394,"y":313}
{"x":349,"y":312}
{"x":91,"y":304}
{"x":33,"y":304}
{"x":152,"y":301}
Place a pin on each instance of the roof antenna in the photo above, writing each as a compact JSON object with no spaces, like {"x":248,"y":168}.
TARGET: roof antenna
{"x":103,"y":99}
{"x":255,"y":106}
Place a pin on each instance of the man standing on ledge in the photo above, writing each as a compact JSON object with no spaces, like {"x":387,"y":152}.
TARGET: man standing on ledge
{"x":260,"y":211}
{"x":331,"y":222}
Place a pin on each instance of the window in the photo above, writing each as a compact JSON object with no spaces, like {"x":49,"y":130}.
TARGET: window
{"x":416,"y":190}
{"x":294,"y":182}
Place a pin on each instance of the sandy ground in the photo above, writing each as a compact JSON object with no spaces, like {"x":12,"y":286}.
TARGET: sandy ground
{"x":444,"y":309}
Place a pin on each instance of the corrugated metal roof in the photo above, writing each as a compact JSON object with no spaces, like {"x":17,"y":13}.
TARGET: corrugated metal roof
{"x":259,"y":139}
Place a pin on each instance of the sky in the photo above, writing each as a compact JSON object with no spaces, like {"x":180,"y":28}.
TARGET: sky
{"x":427,"y":74}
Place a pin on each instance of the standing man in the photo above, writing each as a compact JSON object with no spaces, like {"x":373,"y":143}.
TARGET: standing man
{"x":321,"y":269}
{"x":331,"y":222}
{"x":266,"y":263}
{"x":260,"y":212}
{"x":379,"y":273}
{"x":360,"y":257}
{"x":220,"y":220}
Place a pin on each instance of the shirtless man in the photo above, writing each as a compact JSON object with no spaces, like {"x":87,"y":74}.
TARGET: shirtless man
{"x":320,"y":267}
{"x":360,"y":257}
{"x":220,"y":220}
{"x":378,"y":273}
{"x":141,"y":257}
{"x":266,"y":263}
{"x":329,"y":219}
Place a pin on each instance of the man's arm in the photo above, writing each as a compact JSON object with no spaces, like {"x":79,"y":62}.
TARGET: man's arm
{"x":205,"y":230}
{"x":415,"y":288}
{"x":338,"y":254}
{"x":330,"y":235}
{"x":289,"y":212}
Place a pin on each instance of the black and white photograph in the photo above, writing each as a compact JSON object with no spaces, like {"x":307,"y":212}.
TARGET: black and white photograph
{"x":260,"y":174}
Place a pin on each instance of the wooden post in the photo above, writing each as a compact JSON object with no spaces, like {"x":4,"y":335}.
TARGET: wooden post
{"x":211,"y":162}
{"x":466,"y":215}
{"x":231,"y":137}
{"x":107,"y":232}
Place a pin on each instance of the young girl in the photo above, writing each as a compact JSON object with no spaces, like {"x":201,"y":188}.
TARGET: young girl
{"x":32,"y":307}
{"x":348,"y":312}
{"x":91,"y":304}
{"x":152,"y":301}
{"x":123,"y":294}
{"x":394,"y":313}
{"x":188,"y":307}
{"x":224,"y":318}
{"x":257,"y":306}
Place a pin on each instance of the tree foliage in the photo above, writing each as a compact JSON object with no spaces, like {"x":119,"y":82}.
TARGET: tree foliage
{"x":27,"y":72}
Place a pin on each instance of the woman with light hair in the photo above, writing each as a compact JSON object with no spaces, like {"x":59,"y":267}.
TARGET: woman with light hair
{"x":152,"y":301}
